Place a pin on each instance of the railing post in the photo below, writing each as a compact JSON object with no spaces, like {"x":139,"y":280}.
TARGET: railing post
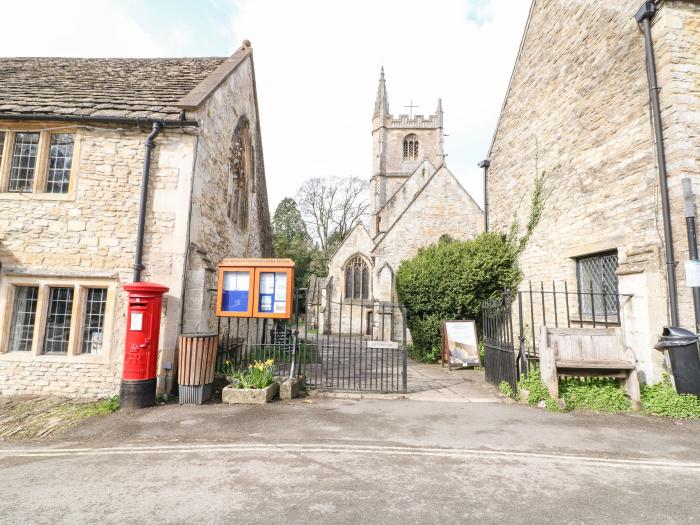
{"x":405,"y":350}
{"x":521,"y":336}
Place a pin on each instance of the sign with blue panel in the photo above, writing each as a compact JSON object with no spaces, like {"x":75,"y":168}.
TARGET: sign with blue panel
{"x":235,"y":291}
{"x":272,"y":292}
{"x":255,"y":288}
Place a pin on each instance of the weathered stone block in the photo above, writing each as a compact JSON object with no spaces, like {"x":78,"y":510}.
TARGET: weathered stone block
{"x":249,"y":396}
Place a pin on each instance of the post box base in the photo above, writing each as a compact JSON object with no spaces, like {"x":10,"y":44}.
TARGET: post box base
{"x":137,"y":394}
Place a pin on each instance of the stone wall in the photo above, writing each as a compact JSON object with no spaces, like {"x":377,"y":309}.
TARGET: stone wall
{"x":577,"y":112}
{"x":89,"y":234}
{"x":213,"y":235}
{"x":442,"y":207}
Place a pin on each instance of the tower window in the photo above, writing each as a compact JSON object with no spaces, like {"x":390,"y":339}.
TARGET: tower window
{"x":410,"y":147}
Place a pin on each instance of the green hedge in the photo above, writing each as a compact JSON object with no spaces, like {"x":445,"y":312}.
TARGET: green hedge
{"x":450,"y":280}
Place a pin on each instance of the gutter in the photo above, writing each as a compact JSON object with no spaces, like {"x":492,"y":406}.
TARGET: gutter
{"x":150,"y":144}
{"x":124,"y":121}
{"x":644,"y":16}
{"x":485,"y":165}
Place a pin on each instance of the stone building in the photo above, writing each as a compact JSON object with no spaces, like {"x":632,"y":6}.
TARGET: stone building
{"x":73,"y":136}
{"x":415,"y":199}
{"x":578,"y":111}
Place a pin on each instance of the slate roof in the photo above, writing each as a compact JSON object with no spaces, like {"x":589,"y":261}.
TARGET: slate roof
{"x":117,"y":87}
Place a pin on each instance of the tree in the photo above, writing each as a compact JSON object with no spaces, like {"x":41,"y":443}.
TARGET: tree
{"x":291,"y":239}
{"x":331,"y":208}
{"x":451,"y":280}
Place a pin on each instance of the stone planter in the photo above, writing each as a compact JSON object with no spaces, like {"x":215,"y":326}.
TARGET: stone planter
{"x":249,"y":396}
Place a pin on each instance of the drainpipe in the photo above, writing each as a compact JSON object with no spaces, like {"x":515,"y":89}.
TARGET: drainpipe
{"x":485,"y":164}
{"x":689,"y":208}
{"x":643,"y":16}
{"x":150,"y":144}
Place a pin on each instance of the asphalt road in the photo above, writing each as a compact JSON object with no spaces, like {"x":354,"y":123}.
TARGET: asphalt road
{"x":352,"y":461}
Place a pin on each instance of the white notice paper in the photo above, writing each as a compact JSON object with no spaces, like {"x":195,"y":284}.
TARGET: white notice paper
{"x":692,"y":273}
{"x":267,"y":283}
{"x":281,"y":286}
{"x":136,"y":322}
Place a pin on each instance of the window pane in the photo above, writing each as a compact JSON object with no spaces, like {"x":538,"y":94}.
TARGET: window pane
{"x":357,"y":282}
{"x":365,"y":283}
{"x":598,"y":274}
{"x":23,"y":162}
{"x":23,"y":317}
{"x":58,"y":322}
{"x":60,"y":162}
{"x":348,"y":282}
{"x":93,"y":324}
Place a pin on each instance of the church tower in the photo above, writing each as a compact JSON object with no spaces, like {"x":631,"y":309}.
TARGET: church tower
{"x":399,"y":145}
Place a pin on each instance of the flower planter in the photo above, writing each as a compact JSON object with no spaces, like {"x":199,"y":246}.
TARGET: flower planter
{"x":250,"y":396}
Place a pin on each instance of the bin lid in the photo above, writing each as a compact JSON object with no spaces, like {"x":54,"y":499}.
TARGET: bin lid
{"x":673,"y":336}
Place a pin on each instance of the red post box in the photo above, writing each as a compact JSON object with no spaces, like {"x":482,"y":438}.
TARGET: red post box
{"x":138,"y":388}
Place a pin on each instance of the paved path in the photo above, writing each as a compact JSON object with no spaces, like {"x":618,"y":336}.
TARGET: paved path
{"x":436,"y":383}
{"x":431,"y":382}
{"x":356,"y":461}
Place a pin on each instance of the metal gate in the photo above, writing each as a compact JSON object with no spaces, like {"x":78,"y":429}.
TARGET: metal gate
{"x":349,"y":345}
{"x":500,"y":363}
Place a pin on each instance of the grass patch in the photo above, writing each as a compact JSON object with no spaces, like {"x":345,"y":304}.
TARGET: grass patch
{"x":422,"y":357}
{"x":506,"y":389}
{"x":606,"y":395}
{"x":594,"y":394}
{"x":661,"y":399}
{"x":40,"y":417}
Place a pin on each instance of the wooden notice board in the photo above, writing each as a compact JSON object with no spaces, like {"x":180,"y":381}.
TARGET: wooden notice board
{"x":255,"y":288}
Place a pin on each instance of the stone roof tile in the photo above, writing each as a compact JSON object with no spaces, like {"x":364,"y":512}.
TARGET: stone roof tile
{"x":121,"y":87}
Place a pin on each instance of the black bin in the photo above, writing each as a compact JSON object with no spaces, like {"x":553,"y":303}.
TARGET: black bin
{"x":682,"y":347}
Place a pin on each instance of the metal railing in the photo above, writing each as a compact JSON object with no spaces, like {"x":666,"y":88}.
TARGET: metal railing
{"x":524,"y":311}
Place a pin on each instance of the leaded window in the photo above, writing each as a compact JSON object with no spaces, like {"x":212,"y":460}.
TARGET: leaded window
{"x":598,"y":284}
{"x":60,"y":161}
{"x":58,"y":320}
{"x":23,"y":318}
{"x":356,"y":279}
{"x":240,"y":171}
{"x":410,"y":147}
{"x":93,"y":322}
{"x":23,"y":162}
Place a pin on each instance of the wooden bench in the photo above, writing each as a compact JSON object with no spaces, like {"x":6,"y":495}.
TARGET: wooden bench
{"x":587,"y":352}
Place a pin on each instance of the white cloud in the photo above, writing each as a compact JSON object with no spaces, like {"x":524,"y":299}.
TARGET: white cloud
{"x":74,"y":28}
{"x":317,"y":66}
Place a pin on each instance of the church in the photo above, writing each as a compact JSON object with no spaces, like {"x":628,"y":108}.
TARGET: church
{"x":415,"y":200}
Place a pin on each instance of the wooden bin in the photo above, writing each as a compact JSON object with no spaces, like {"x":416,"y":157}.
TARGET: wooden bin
{"x":195,"y":370}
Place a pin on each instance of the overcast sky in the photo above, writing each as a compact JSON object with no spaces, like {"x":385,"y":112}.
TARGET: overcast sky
{"x":317,"y":64}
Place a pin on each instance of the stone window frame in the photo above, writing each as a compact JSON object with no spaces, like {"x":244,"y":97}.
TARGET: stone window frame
{"x":353,"y":260}
{"x":241,"y":174}
{"x":80,"y":286}
{"x":41,"y":171}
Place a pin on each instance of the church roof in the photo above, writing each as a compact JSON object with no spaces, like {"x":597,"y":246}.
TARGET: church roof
{"x":114,"y":87}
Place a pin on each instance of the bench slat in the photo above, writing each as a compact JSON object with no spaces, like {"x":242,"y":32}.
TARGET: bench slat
{"x":607,"y":364}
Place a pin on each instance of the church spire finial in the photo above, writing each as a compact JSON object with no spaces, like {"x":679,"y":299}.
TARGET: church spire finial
{"x":381,"y":105}
{"x":438,"y":113}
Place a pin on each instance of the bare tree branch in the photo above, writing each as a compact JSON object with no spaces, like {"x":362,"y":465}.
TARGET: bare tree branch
{"x":332,"y":207}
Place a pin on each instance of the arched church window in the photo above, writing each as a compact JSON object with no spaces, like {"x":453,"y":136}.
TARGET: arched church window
{"x":356,"y":279}
{"x":240,"y":167}
{"x":410,"y":147}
